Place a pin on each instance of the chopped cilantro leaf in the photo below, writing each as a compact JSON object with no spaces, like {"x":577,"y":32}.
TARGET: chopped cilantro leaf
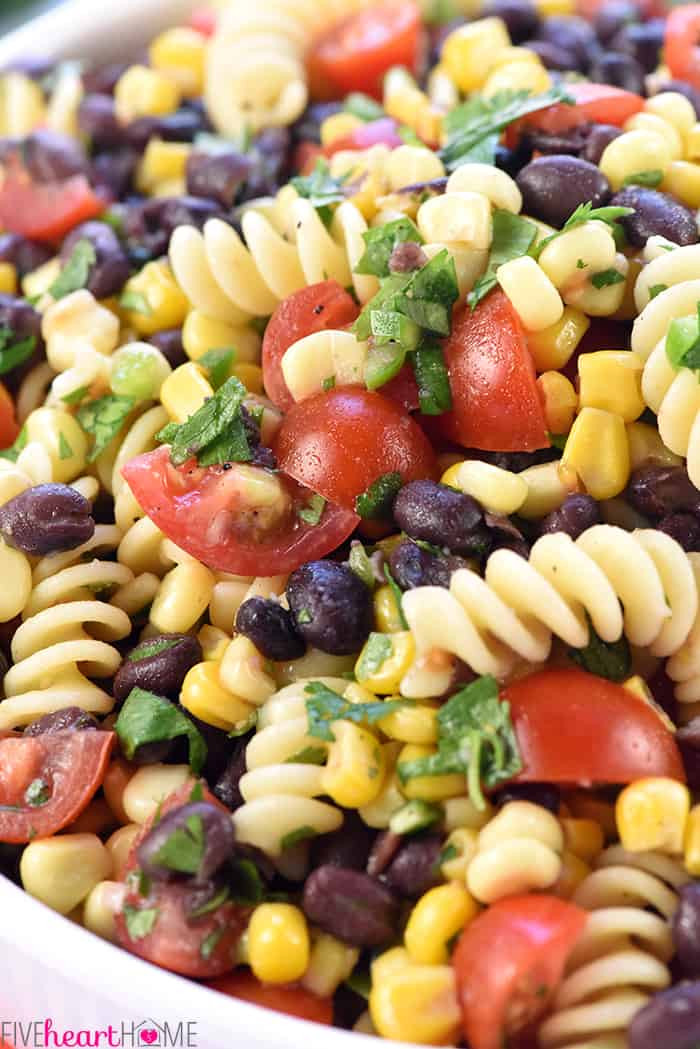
{"x":296,"y":836}
{"x":308,"y":756}
{"x":512,"y":237}
{"x":12,"y":453}
{"x":135,"y":302}
{"x":139,"y":923}
{"x":378,"y":648}
{"x":683,"y":341}
{"x":183,"y":849}
{"x":324,"y":706}
{"x":380,"y":243}
{"x":148,"y":718}
{"x":313,"y":511}
{"x":607,"y":277}
{"x":215,"y":433}
{"x":398,"y":594}
{"x":75,"y":396}
{"x":377,"y":500}
{"x":360,"y":564}
{"x":14,"y":353}
{"x":585,"y":213}
{"x":656,"y":289}
{"x":321,"y":188}
{"x":64,"y":449}
{"x":363,"y":107}
{"x":37,"y":793}
{"x":210,"y":942}
{"x":218,"y":364}
{"x":76,"y":271}
{"x":651,"y":178}
{"x":606,"y":659}
{"x":434,"y":395}
{"x":103,"y":419}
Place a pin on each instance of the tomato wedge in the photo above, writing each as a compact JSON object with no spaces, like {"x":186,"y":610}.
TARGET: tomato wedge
{"x":46,"y":211}
{"x":204,"y":20}
{"x":681,"y":40}
{"x":496,"y":405}
{"x":320,"y":306}
{"x":574,"y":727}
{"x":70,"y":765}
{"x":354,"y":54}
{"x":200,"y":947}
{"x":209,"y":513}
{"x":9,"y":427}
{"x":341,"y":441}
{"x":596,"y":103}
{"x":509,"y":961}
{"x":294,"y":1001}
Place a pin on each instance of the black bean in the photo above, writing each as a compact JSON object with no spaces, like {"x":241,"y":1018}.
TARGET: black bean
{"x":569,"y":142}
{"x":684,"y":88}
{"x":180,"y":126}
{"x":505,"y":535}
{"x":111,"y":269}
{"x":547,"y":795}
{"x":351,"y":906}
{"x":682,"y":527}
{"x":551,"y":55}
{"x":553,"y":187}
{"x":271,"y":629}
{"x":21,"y":318}
{"x":97,"y":119}
{"x":217,"y":176}
{"x":597,"y":141}
{"x":347,"y":847}
{"x":169,"y":342}
{"x":385,"y":847}
{"x":416,"y":867}
{"x":688,"y":740}
{"x":26,"y":255}
{"x":656,"y":490}
{"x":520,"y":16}
{"x":103,"y":79}
{"x":612,"y":17}
{"x":47,"y":518}
{"x":193,"y":820}
{"x":571,"y":34}
{"x":331,"y":606}
{"x":655,"y":213}
{"x":685,"y":926}
{"x":406,"y":257}
{"x":153,"y":753}
{"x":671,"y":1019}
{"x":512,"y":160}
{"x":515,"y":461}
{"x":269,"y":155}
{"x":226,"y":787}
{"x":618,"y":69}
{"x":68,"y":719}
{"x":577,"y":513}
{"x":114,"y":172}
{"x":439,"y":515}
{"x":149,"y":225}
{"x":158,"y":664}
{"x":643,"y":41}
{"x":411,"y":566}
{"x":50,"y":156}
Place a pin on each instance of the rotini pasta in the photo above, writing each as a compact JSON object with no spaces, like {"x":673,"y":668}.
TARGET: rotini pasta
{"x":519,"y":850}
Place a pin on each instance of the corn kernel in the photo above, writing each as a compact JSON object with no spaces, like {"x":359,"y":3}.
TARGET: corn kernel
{"x":338,"y":125}
{"x":205,"y":697}
{"x":278,"y":943}
{"x":8,"y":279}
{"x":673,"y":107}
{"x":532,"y":294}
{"x":559,"y":400}
{"x":38,"y":282}
{"x":584,"y":837}
{"x":612,"y":380}
{"x":354,"y":773}
{"x":387,"y":616}
{"x":417,"y":1004}
{"x":165,"y":306}
{"x":62,"y":870}
{"x":330,"y":964}
{"x":499,"y":491}
{"x":119,"y":845}
{"x":388,"y":963}
{"x":645,"y":444}
{"x":201,"y":334}
{"x":149,"y":786}
{"x":469,"y":51}
{"x":546,"y":8}
{"x":161,"y":161}
{"x":692,"y":143}
{"x":651,"y":815}
{"x":179,"y":54}
{"x":547,"y":487}
{"x":517,"y":76}
{"x":184,"y":392}
{"x":656,"y":125}
{"x":553,"y":347}
{"x":691,"y":843}
{"x":573,"y":872}
{"x":102,"y":905}
{"x":213,"y":640}
{"x":250,"y":375}
{"x":682,"y":180}
{"x":459,"y":850}
{"x":596,"y":449}
{"x":144,"y":92}
{"x":632,"y":152}
{"x":438,"y":916}
{"x":429,"y":788}
{"x":415,"y":724}
{"x":386,"y":678}
{"x":22,"y":106}
{"x":459,"y":216}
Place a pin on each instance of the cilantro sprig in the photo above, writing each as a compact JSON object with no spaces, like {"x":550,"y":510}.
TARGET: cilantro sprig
{"x":324,"y":706}
{"x":476,"y":738}
{"x":215,"y":433}
{"x":585,"y":213}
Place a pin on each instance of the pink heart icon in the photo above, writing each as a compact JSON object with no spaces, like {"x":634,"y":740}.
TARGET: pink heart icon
{"x":150,"y":1036}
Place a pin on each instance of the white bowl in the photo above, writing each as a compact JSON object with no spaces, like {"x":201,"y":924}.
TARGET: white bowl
{"x":50,"y":968}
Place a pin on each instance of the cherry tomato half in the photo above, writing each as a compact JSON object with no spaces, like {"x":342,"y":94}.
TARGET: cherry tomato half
{"x":9,"y":427}
{"x":681,"y":40}
{"x":496,"y":405}
{"x":596,"y":103}
{"x":70,"y":765}
{"x":341,"y":441}
{"x":574,"y":727}
{"x":294,"y":1001}
{"x":509,"y":961}
{"x":211,"y":513}
{"x":45,"y":211}
{"x":324,"y":305}
{"x":354,"y":54}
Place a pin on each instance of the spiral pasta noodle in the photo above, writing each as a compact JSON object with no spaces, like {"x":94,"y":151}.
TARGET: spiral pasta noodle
{"x":622,"y":957}
{"x":280,"y":794}
{"x":516,"y":608}
{"x":519,"y":850}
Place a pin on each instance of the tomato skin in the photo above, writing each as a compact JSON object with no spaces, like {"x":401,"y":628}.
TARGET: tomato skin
{"x":311,"y":309}
{"x":504,"y":960}
{"x":403,"y":389}
{"x":354,"y":54}
{"x":73,"y":765}
{"x":184,"y":503}
{"x":293,"y":1001}
{"x":45,"y":211}
{"x":574,"y":727}
{"x":340,"y":441}
{"x":597,"y":103}
{"x":496,"y":404}
{"x":382,"y":132}
{"x":682,"y":36}
{"x":203,"y":20}
{"x":9,"y":427}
